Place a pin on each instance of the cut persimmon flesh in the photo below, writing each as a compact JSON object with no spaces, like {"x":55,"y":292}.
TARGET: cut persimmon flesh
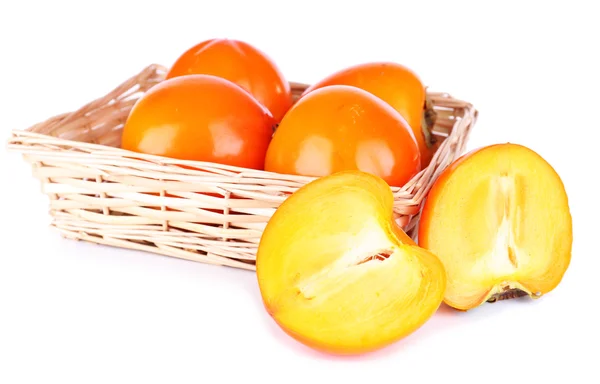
{"x":499,"y":220}
{"x":338,"y":274}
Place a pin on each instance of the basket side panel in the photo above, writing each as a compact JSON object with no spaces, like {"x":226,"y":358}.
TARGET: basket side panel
{"x":207,"y":214}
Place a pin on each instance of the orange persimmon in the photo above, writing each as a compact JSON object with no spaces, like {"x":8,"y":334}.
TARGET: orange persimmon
{"x":499,"y":220}
{"x":242,"y":64}
{"x":202,"y":118}
{"x":338,"y":274}
{"x":339,"y":128}
{"x":401,"y":88}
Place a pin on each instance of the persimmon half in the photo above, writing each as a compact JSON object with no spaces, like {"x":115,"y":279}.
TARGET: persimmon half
{"x":201,"y":118}
{"x":242,"y":64}
{"x":499,"y":220}
{"x":336,"y":272}
{"x":340,"y":127}
{"x":400,"y":87}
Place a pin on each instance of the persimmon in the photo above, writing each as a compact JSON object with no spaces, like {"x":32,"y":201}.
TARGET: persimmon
{"x":339,"y":128}
{"x":202,"y":118}
{"x":338,"y":274}
{"x":241,"y":63}
{"x":499,"y":220}
{"x":401,"y":88}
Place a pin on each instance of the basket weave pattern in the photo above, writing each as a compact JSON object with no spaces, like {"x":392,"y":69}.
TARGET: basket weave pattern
{"x":204,"y":212}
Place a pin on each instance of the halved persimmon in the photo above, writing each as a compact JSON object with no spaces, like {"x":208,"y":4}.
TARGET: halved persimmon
{"x":499,"y":220}
{"x":338,"y":274}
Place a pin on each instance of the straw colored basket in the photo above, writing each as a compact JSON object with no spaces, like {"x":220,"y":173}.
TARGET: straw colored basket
{"x":103,"y":194}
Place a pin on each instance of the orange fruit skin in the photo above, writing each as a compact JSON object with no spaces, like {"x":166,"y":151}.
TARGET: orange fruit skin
{"x":339,"y":128}
{"x":242,"y":64}
{"x":395,"y":84}
{"x":201,"y":118}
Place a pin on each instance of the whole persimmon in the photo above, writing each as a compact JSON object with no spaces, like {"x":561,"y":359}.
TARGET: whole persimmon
{"x":401,"y":88}
{"x":339,"y":128}
{"x":498,"y":218}
{"x":241,"y":63}
{"x":201,"y":118}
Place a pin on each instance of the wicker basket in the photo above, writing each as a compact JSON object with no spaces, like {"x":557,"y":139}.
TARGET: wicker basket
{"x":103,"y":194}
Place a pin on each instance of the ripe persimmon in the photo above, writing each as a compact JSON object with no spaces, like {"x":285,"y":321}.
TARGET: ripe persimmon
{"x":499,"y":220}
{"x":336,"y":272}
{"x":242,"y":64}
{"x":202,"y":118}
{"x":401,"y":88}
{"x":339,"y":128}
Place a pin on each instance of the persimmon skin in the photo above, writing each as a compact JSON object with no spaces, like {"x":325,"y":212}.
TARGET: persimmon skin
{"x":242,"y":64}
{"x":397,"y":85}
{"x":201,"y":118}
{"x":499,"y":220}
{"x":337,"y":274}
{"x":339,"y":128}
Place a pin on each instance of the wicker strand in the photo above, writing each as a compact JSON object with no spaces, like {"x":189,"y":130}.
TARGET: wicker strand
{"x":103,"y":194}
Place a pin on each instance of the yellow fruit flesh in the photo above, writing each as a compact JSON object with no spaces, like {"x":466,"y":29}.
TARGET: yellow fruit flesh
{"x":337,"y":274}
{"x":501,"y":222}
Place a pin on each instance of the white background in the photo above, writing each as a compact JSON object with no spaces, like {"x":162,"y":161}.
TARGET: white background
{"x":81,"y":313}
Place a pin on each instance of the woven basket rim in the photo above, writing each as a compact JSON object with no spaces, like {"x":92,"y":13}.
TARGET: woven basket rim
{"x":162,"y":160}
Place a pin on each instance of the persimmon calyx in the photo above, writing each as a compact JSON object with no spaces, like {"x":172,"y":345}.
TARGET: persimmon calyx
{"x":509,"y":290}
{"x":428,"y":120}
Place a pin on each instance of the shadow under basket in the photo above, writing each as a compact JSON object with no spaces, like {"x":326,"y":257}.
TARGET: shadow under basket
{"x":212,"y":213}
